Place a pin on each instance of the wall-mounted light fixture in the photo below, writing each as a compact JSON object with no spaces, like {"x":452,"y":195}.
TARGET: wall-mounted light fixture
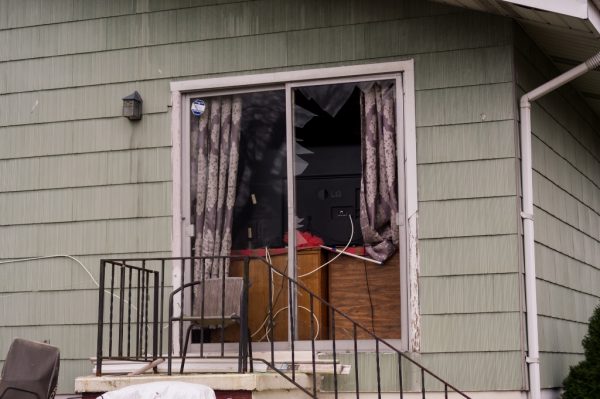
{"x":132,"y":106}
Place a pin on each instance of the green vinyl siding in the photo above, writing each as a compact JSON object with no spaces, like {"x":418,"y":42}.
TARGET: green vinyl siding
{"x":566,"y":160}
{"x":467,"y":217}
{"x":466,"y":142}
{"x":471,"y":179}
{"x":565,"y":303}
{"x":90,"y":237}
{"x":459,"y":105}
{"x":87,"y":169}
{"x":566,"y":271}
{"x":469,"y":294}
{"x":79,"y":179}
{"x":462,"y":368}
{"x":468,"y":255}
{"x":562,"y":336}
{"x":93,"y":135}
{"x":472,"y":332}
{"x":86,"y":203}
{"x":59,"y":273}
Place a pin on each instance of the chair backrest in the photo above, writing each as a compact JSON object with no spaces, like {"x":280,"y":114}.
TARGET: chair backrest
{"x":30,"y":370}
{"x":213,"y":295}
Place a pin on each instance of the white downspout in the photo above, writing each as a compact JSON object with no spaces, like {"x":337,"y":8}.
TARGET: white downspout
{"x":527,"y":215}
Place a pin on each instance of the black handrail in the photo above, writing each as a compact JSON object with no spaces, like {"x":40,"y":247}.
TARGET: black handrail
{"x":133,"y":278}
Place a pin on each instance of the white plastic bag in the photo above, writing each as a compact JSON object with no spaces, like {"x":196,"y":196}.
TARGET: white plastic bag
{"x":162,"y":390}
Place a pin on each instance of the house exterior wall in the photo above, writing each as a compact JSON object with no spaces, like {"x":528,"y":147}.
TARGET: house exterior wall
{"x":566,"y":164}
{"x":79,"y":179}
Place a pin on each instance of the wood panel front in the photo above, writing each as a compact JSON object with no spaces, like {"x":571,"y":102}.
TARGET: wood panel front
{"x":368,"y":293}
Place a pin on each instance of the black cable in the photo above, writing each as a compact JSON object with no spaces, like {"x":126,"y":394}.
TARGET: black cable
{"x":370,"y":298}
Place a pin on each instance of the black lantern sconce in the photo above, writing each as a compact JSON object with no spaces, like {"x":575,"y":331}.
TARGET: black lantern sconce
{"x":132,"y":106}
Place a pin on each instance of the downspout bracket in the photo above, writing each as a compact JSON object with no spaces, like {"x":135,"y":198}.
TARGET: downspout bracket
{"x":525,"y":215}
{"x":530,"y":360}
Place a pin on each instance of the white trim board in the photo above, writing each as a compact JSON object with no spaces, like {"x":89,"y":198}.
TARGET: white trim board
{"x":410,"y":323}
{"x":295,"y":76}
{"x":573,"y":8}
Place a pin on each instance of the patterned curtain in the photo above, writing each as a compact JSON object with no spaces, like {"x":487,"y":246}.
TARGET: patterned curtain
{"x":215,"y":141}
{"x":379,"y":183}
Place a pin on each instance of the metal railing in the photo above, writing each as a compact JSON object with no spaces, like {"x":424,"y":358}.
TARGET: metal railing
{"x":410,"y":376}
{"x":129,"y":291}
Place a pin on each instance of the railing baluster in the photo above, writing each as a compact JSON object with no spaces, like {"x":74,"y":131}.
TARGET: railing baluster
{"x":356,"y":374}
{"x":378,"y":368}
{"x":170,"y":336}
{"x":291,"y":313}
{"x":333,"y":344}
{"x":99,"y":349}
{"x":423,"y":382}
{"x":223,"y":307}
{"x":312,"y":341}
{"x":182,"y":304}
{"x":162,"y":304}
{"x":121,"y":309}
{"x":137,"y":314}
{"x":129,"y":314}
{"x":142,"y":313}
{"x":245,"y":335}
{"x":112,"y":295}
{"x":271,"y":326}
{"x":146,"y":315}
{"x":192,"y":278}
{"x":202,"y":308}
{"x":445,"y":391}
{"x":400,"y":376}
{"x":155,"y":319}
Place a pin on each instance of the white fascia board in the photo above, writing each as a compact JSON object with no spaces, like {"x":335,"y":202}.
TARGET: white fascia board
{"x":573,"y":8}
{"x":594,"y":18}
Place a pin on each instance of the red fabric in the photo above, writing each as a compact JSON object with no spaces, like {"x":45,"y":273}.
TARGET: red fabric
{"x":305,"y":240}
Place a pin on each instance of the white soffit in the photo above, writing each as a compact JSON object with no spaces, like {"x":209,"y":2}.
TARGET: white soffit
{"x":567,"y":31}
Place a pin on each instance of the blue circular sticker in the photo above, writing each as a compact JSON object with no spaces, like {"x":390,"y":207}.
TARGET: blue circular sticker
{"x":198,"y":107}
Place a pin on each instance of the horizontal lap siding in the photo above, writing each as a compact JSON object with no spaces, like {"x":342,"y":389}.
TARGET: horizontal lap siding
{"x":86,"y":170}
{"x":90,"y":237}
{"x":59,"y":273}
{"x":467,"y":181}
{"x":566,"y":182}
{"x":85,"y":136}
{"x":469,"y":255}
{"x":461,"y":369}
{"x":79,"y":179}
{"x":86,"y":203}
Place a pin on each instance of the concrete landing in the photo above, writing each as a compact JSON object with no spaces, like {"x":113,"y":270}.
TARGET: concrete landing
{"x":226,"y":386}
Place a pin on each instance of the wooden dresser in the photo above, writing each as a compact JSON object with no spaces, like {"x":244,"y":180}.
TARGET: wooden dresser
{"x":367,"y":292}
{"x":258,"y":302}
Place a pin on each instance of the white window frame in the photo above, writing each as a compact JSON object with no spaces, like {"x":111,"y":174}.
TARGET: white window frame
{"x":406,"y":144}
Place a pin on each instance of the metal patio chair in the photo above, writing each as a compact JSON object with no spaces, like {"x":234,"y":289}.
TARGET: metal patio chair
{"x":211,"y":314}
{"x":30,"y":371}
